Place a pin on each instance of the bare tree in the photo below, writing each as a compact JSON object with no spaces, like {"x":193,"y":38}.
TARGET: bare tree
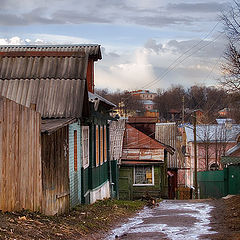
{"x":231,"y":67}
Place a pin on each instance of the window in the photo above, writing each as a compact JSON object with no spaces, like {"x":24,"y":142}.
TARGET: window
{"x":101,"y":145}
{"x":105,"y":143}
{"x":75,"y":150}
{"x":85,"y":146}
{"x":143,"y":175}
{"x":97,"y":146}
{"x":214,"y":167}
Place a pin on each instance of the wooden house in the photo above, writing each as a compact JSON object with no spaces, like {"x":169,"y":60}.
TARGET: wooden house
{"x":54,"y":81}
{"x":143,"y":166}
{"x":97,"y":167}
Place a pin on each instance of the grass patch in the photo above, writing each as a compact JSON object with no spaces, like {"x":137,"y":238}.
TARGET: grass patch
{"x":80,"y":223}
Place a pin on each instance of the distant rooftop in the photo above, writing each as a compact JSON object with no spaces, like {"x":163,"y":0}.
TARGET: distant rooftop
{"x":211,"y":133}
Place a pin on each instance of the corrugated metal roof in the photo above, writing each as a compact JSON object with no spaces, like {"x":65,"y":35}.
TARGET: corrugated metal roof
{"x":50,"y":61}
{"x":54,"y":98}
{"x":134,"y":138}
{"x":92,"y":50}
{"x":212,"y":133}
{"x":138,"y":146}
{"x":43,"y":67}
{"x":148,"y":155}
{"x":52,"y":125}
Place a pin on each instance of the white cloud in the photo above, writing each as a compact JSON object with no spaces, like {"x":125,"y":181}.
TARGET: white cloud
{"x":129,"y":73}
{"x":12,"y":41}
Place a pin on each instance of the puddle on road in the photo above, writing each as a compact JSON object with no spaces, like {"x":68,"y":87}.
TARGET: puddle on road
{"x":199,"y":211}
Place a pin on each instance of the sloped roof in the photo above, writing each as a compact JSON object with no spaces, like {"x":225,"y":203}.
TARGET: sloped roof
{"x":47,"y":61}
{"x":51,"y":125}
{"x":134,"y":138}
{"x":233,"y":150}
{"x":137,"y":146}
{"x":211,"y":133}
{"x":53,"y":98}
{"x":92,"y":50}
{"x":95,"y":97}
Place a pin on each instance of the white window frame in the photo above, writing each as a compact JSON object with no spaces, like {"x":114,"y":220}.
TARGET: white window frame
{"x":85,"y":164}
{"x":146,"y":184}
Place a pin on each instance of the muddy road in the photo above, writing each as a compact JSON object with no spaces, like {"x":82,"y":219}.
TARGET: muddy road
{"x":186,"y":220}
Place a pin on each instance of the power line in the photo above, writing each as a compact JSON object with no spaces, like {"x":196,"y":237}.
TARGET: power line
{"x":175,"y":65}
{"x":195,"y":45}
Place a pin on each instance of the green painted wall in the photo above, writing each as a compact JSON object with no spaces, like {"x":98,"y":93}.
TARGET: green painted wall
{"x":127,"y":191}
{"x":94,"y":176}
{"x":74,"y":176}
{"x":115,"y":179}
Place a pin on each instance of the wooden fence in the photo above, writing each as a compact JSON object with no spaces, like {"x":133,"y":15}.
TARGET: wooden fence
{"x":20,"y":157}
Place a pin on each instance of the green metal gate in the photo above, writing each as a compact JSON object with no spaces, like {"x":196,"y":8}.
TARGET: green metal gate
{"x":211,"y":184}
{"x":216,"y":184}
{"x":234,"y":180}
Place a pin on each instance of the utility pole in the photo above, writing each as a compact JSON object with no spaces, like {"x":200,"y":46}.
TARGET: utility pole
{"x":195,"y":153}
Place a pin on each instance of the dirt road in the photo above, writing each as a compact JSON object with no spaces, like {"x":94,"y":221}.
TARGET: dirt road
{"x":186,"y":220}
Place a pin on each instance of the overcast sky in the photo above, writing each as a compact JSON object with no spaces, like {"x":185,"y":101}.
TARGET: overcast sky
{"x":145,"y":43}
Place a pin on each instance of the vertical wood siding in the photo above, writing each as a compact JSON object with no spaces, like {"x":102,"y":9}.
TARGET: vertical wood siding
{"x":55,"y":172}
{"x":167,"y":134}
{"x":20,"y":157}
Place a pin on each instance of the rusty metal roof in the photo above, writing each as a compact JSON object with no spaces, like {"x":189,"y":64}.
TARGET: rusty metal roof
{"x":134,"y":138}
{"x":149,"y":120}
{"x":51,"y":125}
{"x":140,"y":147}
{"x":53,"y":98}
{"x":51,"y":61}
{"x":143,"y":155}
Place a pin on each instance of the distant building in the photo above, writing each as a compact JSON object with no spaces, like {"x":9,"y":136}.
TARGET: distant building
{"x":144,"y":94}
{"x":225,"y":112}
{"x":147,"y":98}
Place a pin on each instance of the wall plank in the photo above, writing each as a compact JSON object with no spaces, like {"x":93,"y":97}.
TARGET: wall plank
{"x":20,"y":152}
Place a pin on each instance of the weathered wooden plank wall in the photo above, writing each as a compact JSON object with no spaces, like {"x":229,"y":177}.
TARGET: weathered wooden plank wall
{"x":167,"y":134}
{"x":20,"y":157}
{"x":56,"y":192}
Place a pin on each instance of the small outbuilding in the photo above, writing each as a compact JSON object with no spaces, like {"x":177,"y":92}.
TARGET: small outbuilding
{"x":143,"y":166}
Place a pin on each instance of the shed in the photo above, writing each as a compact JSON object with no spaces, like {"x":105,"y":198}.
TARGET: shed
{"x":143,"y":166}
